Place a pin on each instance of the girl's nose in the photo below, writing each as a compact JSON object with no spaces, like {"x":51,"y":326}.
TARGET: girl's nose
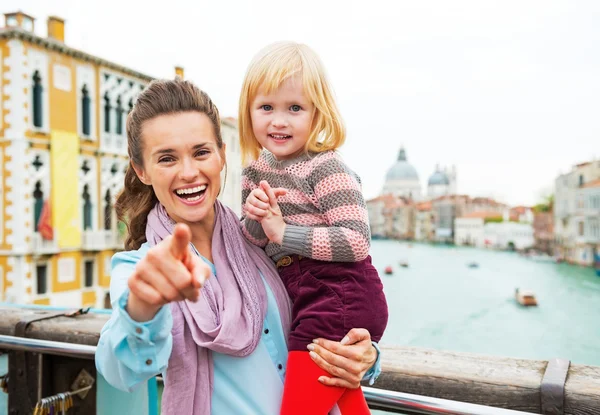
{"x":279,"y":120}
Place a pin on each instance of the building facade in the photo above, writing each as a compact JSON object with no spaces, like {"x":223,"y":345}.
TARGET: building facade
{"x":570,"y":213}
{"x":63,"y":158}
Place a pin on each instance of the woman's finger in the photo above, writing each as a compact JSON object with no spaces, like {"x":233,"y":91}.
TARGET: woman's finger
{"x":161,"y":283}
{"x":200,"y":272}
{"x":356,"y":335}
{"x":145,"y":292}
{"x":339,"y":376}
{"x":180,"y":240}
{"x":171,"y":269}
{"x":334,"y":359}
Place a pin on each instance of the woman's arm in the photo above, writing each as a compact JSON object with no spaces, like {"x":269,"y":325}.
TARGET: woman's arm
{"x":130,"y":352}
{"x":350,"y":361}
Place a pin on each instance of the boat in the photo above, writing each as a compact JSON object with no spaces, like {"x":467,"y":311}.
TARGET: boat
{"x":388,"y":270}
{"x":473,"y":265}
{"x":525,"y":297}
{"x":404,"y":264}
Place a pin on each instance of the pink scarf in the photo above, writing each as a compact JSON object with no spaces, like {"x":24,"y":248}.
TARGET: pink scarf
{"x":228,"y":318}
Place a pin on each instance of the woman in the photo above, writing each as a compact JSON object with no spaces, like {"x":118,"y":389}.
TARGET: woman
{"x":221,"y":340}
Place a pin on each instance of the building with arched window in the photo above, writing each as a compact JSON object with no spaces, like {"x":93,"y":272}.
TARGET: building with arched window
{"x":63,"y":158}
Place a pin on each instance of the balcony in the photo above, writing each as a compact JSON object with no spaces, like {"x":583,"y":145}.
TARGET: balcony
{"x":99,"y":240}
{"x":41,"y":246}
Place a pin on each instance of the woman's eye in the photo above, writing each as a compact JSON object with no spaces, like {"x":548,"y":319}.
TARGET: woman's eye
{"x":201,"y":153}
{"x":295,"y":108}
{"x":166,"y":159}
{"x":266,"y":107}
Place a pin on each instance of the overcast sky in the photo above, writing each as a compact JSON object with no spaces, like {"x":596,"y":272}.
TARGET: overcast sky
{"x":509,"y":91}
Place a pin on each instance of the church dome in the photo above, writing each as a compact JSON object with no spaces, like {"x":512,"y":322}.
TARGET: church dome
{"x":402,"y":169}
{"x":438,"y":178}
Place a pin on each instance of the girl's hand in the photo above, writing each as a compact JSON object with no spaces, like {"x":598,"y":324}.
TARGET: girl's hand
{"x":169,"y":272}
{"x":257,"y":204}
{"x":272,"y":222}
{"x":347,"y":361}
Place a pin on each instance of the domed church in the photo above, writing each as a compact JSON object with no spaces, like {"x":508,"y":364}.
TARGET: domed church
{"x":441,"y":183}
{"x":402,"y":179}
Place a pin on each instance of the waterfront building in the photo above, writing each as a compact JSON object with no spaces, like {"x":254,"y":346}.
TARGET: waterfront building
{"x":469,"y":228}
{"x":543,"y":232}
{"x":508,"y":235}
{"x":424,"y":222}
{"x":391,"y":217}
{"x":571,"y":192}
{"x":445,"y":210}
{"x":63,"y":158}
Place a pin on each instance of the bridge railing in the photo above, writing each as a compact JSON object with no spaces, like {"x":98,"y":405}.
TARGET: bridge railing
{"x":47,"y":356}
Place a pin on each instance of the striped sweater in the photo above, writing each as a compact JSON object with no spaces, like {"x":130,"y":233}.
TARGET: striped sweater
{"x":324,"y":209}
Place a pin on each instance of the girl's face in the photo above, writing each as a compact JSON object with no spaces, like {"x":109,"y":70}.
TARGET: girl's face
{"x":282,"y":120}
{"x":183,"y":164}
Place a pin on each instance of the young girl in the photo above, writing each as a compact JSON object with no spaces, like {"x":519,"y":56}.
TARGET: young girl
{"x":305,"y":207}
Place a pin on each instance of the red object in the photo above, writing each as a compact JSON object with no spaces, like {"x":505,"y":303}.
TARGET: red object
{"x":304,"y":394}
{"x":45,"y":223}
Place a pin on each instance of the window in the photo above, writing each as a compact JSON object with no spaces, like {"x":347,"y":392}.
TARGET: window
{"x":85,"y":111}
{"x":581,"y":228}
{"x":41,"y":277}
{"x":107,"y":211}
{"x":107,"y":109}
{"x":89,"y":273}
{"x":119,"y":112}
{"x":87,"y":208}
{"x":581,"y":180}
{"x":36,"y":100}
{"x":38,"y":204}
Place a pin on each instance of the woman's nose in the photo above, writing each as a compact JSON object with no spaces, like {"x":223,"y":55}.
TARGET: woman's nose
{"x":188,"y":170}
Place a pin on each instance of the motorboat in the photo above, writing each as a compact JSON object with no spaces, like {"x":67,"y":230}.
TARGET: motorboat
{"x":525,"y":297}
{"x":388,"y":270}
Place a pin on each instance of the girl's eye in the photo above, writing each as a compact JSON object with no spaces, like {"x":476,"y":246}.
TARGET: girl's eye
{"x":266,"y":107}
{"x":295,"y":108}
{"x":201,"y":153}
{"x":165,"y":159}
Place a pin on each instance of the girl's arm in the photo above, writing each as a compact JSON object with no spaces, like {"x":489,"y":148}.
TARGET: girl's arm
{"x":129,"y":352}
{"x":339,"y":197}
{"x":251,"y":229}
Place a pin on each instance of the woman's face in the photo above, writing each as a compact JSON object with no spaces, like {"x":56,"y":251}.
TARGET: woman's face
{"x":183,"y":164}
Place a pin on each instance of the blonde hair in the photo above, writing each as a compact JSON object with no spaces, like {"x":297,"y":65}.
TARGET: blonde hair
{"x":272,"y":66}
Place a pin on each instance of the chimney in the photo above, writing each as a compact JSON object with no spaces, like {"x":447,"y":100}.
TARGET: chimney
{"x":20,"y":20}
{"x":56,"y":28}
{"x":179,"y":72}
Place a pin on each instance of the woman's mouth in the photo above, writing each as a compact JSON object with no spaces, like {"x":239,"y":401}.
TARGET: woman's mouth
{"x":191,"y":194}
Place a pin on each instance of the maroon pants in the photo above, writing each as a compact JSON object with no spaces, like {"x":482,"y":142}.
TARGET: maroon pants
{"x":330,"y":298}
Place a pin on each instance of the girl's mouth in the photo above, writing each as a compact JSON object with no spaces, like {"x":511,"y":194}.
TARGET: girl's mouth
{"x":191,"y":194}
{"x":281,"y":137}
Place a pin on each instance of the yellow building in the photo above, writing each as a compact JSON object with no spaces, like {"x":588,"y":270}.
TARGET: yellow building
{"x":63,"y":157}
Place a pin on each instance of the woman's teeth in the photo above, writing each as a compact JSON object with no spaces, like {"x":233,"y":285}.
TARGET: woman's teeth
{"x":191,"y":194}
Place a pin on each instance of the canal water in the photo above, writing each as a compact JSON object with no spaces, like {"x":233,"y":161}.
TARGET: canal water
{"x":439,"y":302}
